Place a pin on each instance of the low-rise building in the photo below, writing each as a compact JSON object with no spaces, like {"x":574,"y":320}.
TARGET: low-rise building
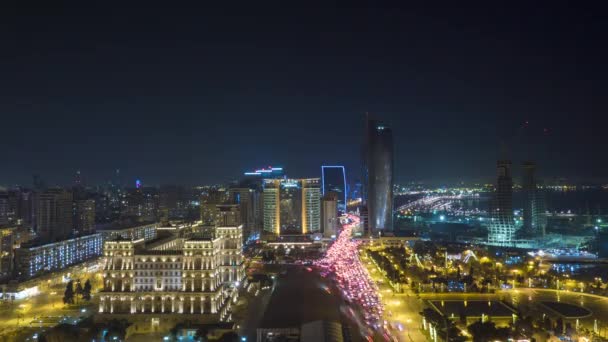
{"x":35,"y":258}
{"x":129,"y":231}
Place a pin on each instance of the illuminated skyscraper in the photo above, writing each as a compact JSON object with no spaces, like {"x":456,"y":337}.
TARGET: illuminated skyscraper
{"x":333,"y":179}
{"x":292,"y":206}
{"x":535,"y":219}
{"x":378,"y":175}
{"x":501,"y":229}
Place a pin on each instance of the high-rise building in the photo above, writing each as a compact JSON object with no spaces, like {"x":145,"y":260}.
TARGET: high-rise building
{"x":247,"y":199}
{"x":20,"y":204}
{"x":227,"y":215}
{"x":535,"y":218}
{"x":54,"y":217}
{"x":7,"y":242}
{"x":84,"y":216}
{"x":4,"y":209}
{"x":378,"y":175}
{"x":329,"y":215}
{"x":501,"y":228}
{"x":141,"y":203}
{"x":292,"y":206}
{"x":333,"y":179}
{"x":208,"y":205}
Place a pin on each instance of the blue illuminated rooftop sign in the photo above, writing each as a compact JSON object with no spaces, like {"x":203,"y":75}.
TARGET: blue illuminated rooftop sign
{"x":266,"y":172}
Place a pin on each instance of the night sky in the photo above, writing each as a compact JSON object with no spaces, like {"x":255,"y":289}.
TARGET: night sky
{"x":199,"y":95}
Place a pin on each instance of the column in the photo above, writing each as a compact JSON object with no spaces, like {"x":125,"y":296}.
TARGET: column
{"x":213,"y":306}
{"x":132,"y":305}
{"x":202,"y":305}
{"x":191,"y":305}
{"x":172,"y":304}
{"x":101,"y":302}
{"x":111,"y":304}
{"x":162,"y":304}
{"x":153,"y":302}
{"x":181,"y":305}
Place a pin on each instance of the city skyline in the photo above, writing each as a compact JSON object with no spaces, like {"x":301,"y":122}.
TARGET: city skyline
{"x":123,"y":93}
{"x":260,"y":172}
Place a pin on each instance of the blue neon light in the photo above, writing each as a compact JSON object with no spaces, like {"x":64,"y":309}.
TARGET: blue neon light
{"x":323,"y":167}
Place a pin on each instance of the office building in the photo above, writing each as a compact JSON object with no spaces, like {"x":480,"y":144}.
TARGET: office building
{"x":54,"y":215}
{"x":172,"y":276}
{"x":292,"y":206}
{"x":329,"y":215}
{"x":501,"y":228}
{"x":535,"y":218}
{"x":35,"y":259}
{"x":333,"y":179}
{"x":378,"y":175}
{"x":84,"y":216}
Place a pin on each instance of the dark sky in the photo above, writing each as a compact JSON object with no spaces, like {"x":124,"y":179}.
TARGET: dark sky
{"x":198,"y":95}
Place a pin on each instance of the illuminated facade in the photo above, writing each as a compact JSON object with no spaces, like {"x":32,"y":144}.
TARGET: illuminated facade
{"x":174,"y":275}
{"x":378,"y":175}
{"x":501,"y":229}
{"x":292,"y":206}
{"x":34,"y":260}
{"x":333,"y":179}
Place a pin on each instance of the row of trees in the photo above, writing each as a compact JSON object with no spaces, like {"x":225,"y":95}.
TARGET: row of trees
{"x":71,"y":292}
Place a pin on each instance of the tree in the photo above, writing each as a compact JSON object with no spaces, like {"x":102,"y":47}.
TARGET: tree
{"x":79,"y":289}
{"x":68,"y":295}
{"x":86,"y":291}
{"x":487,"y":331}
{"x":230,"y":336}
{"x":201,"y":334}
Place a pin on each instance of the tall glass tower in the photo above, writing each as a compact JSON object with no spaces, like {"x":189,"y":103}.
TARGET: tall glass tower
{"x":535,"y":219}
{"x":333,"y":179}
{"x":378,"y":175}
{"x":501,"y":230}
